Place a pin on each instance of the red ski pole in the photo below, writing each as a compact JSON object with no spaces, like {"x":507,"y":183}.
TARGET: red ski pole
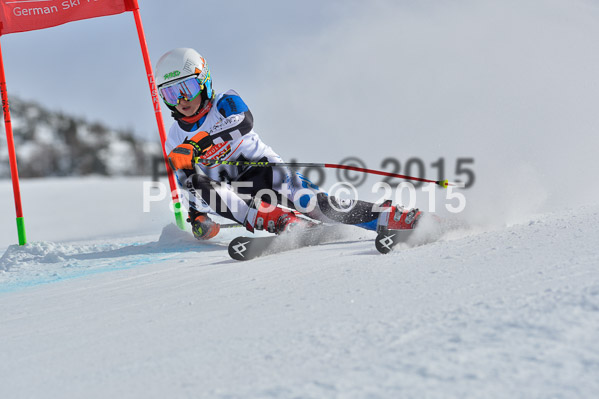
{"x":441,"y":183}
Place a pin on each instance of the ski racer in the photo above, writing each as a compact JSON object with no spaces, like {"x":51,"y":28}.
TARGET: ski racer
{"x":221,"y":127}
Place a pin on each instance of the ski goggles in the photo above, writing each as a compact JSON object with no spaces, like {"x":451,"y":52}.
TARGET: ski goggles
{"x":187,"y":89}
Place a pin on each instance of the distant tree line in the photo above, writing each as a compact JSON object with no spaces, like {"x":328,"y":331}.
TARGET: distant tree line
{"x":55,"y":144}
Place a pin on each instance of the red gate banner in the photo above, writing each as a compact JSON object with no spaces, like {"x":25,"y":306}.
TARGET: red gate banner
{"x":26,"y":15}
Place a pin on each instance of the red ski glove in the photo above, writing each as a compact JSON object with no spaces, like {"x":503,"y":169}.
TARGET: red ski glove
{"x":183,"y":155}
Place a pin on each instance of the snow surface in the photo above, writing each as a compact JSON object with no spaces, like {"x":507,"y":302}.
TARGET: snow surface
{"x":105,"y":304}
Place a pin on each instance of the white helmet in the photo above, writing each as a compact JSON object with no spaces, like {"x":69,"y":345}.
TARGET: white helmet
{"x":180,"y":64}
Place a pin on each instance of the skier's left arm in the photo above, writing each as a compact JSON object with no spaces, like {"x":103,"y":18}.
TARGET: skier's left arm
{"x":238,"y":119}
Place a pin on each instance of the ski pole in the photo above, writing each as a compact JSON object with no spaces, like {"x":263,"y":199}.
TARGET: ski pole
{"x":442,"y":183}
{"x":230,"y":225}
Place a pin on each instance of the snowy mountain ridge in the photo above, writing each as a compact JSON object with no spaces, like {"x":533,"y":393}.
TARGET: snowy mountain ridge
{"x":50,"y":143}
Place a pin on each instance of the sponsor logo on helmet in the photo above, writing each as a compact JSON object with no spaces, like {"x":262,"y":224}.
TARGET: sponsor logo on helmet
{"x":191,"y":64}
{"x":172,"y":75}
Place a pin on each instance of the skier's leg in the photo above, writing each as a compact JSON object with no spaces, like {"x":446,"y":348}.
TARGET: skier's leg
{"x":355,"y":212}
{"x":318,"y":205}
{"x":202,"y":227}
{"x":221,"y":198}
{"x":231,"y":201}
{"x":260,"y":183}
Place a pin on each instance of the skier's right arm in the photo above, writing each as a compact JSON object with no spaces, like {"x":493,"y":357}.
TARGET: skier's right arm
{"x":183,"y":155}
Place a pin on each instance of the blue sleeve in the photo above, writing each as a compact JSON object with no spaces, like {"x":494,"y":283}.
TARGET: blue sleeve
{"x":231,"y":105}
{"x":239,"y":117}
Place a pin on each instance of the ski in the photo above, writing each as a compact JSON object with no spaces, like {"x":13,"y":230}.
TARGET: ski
{"x":386,"y":240}
{"x":247,"y":248}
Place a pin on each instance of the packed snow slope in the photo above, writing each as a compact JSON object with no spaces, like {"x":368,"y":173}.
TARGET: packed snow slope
{"x":509,"y":311}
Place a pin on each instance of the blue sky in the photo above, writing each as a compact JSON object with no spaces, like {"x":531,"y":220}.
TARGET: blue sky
{"x":94,"y":68}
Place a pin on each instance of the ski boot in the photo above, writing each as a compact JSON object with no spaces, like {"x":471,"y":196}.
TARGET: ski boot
{"x":398,"y":218}
{"x":272,"y":219}
{"x":395,"y":224}
{"x":202,"y":226}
